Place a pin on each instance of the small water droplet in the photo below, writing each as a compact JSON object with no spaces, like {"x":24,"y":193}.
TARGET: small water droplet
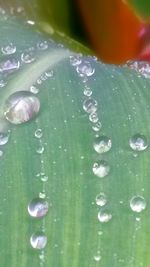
{"x":38,"y":133}
{"x":28,"y":57}
{"x":31,"y":22}
{"x":93,"y":117}
{"x":34,"y":89}
{"x":75,"y":60}
{"x":44,"y":178}
{"x":102,"y":144}
{"x":21,"y":107}
{"x":42,"y":195}
{"x":2,"y":83}
{"x":96,"y":127}
{"x":137,"y":203}
{"x":104,"y":216}
{"x":97,"y":257}
{"x":101,"y":199}
{"x":85,"y":69}
{"x":49,"y":73}
{"x":8,"y":49}
{"x":87,"y":91}
{"x":4,"y":137}
{"x":38,"y":241}
{"x":90,"y":105}
{"x":1,"y":153}
{"x":38,"y":208}
{"x":40,"y":149}
{"x":138,"y":142}
{"x":9,"y":65}
{"x":101,"y":168}
{"x":43,"y":45}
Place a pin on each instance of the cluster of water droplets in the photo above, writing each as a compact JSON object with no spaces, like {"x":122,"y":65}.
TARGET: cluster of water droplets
{"x":142,"y":67}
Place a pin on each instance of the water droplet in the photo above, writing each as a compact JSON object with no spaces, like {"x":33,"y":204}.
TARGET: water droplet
{"x":75,"y":60}
{"x":8,"y":49}
{"x":1,"y":153}
{"x":104,"y":216}
{"x":40,"y":149}
{"x":38,"y":133}
{"x":21,"y":107}
{"x":9,"y":65}
{"x":34,"y":89}
{"x":2,"y":83}
{"x":140,"y":66}
{"x":101,"y":168}
{"x":137,"y":203}
{"x":93,"y":117}
{"x":96,"y":127}
{"x":101,"y":199}
{"x":38,"y":241}
{"x":90,"y":105}
{"x":85,"y":69}
{"x":43,"y":45}
{"x":4,"y":137}
{"x":28,"y":57}
{"x":38,"y":208}
{"x":138,"y":142}
{"x":44,"y":178}
{"x":42,"y":195}
{"x":97,"y":257}
{"x":87,"y":91}
{"x":102,"y":144}
{"x":49,"y":73}
{"x":31,"y":22}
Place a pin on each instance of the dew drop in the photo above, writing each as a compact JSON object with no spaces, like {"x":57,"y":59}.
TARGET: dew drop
{"x":138,"y":142}
{"x":43,"y":45}
{"x":42,"y":195}
{"x":104,"y":216}
{"x":96,"y":127}
{"x":102,"y":144}
{"x":75,"y":60}
{"x":8,"y":49}
{"x":137,"y":203}
{"x":85,"y":69}
{"x":9,"y":66}
{"x":101,"y":199}
{"x":93,"y":117}
{"x":2,"y":83}
{"x":38,"y":208}
{"x":4,"y":137}
{"x":97,"y":257}
{"x":1,"y":153}
{"x":90,"y":105}
{"x":87,"y":91}
{"x":40,"y":149}
{"x":21,"y":107}
{"x":28,"y":57}
{"x":49,"y":73}
{"x":34,"y":89}
{"x":38,"y":133}
{"x":101,"y":168}
{"x":38,"y":241}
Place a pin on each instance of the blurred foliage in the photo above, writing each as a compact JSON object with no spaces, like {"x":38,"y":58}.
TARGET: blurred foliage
{"x":142,"y":7}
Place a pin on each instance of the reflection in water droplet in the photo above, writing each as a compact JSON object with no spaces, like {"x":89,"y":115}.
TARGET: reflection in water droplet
{"x":38,"y":241}
{"x":43,"y":45}
{"x":28,"y":57}
{"x":102,"y":144}
{"x":138,"y":142}
{"x":137,"y":203}
{"x":90,"y":105}
{"x":38,"y":208}
{"x":34,"y":89}
{"x":85,"y":69}
{"x":75,"y":60}
{"x":8,"y":49}
{"x":101,"y":199}
{"x":104,"y":216}
{"x":4,"y":137}
{"x":101,"y":168}
{"x":96,"y":127}
{"x":38,"y":133}
{"x":9,"y":66}
{"x":21,"y":107}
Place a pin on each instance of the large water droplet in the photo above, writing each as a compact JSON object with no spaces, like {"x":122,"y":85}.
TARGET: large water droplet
{"x":104,"y":216}
{"x":101,"y":168}
{"x":85,"y":69}
{"x":21,"y":107}
{"x":9,"y":65}
{"x":138,"y":142}
{"x":8,"y":49}
{"x":137,"y":203}
{"x":38,"y":241}
{"x":102,"y":144}
{"x":101,"y":199}
{"x":38,"y":208}
{"x":90,"y":105}
{"x":4,"y":137}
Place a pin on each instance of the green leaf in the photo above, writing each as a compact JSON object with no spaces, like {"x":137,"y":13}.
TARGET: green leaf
{"x":59,"y":164}
{"x":142,"y":8}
